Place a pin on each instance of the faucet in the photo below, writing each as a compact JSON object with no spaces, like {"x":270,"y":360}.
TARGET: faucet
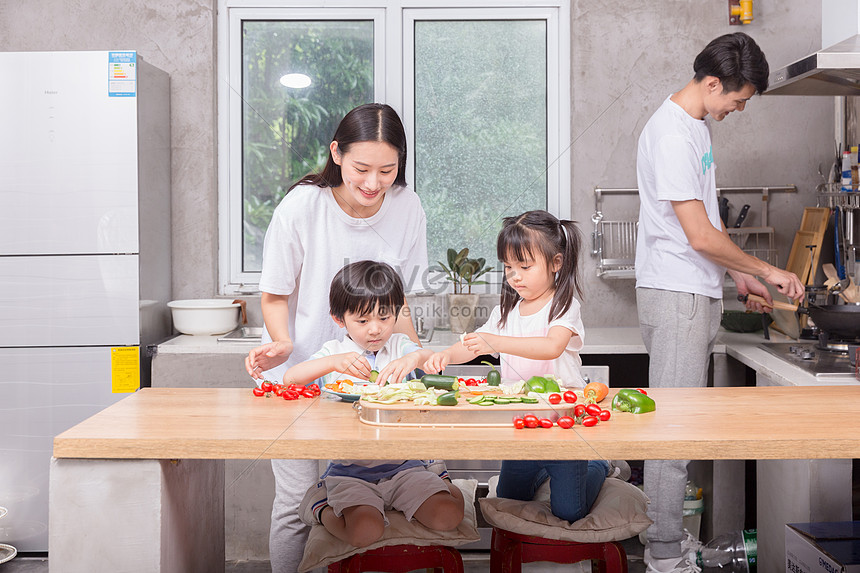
{"x":419,"y":325}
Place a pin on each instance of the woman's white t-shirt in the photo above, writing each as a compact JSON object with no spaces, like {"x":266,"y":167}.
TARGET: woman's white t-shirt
{"x":675,"y":162}
{"x":310,"y":238}
{"x":566,"y":367}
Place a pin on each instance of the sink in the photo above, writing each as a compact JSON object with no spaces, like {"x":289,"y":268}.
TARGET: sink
{"x":253,"y":334}
{"x":425,"y":335}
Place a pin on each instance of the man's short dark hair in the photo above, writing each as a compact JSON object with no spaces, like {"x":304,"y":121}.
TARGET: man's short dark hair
{"x":736,"y":60}
{"x":361,"y":287}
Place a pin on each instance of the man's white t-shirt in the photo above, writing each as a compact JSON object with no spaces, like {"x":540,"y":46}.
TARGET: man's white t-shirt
{"x":675,"y":162}
{"x":566,"y":367}
{"x":310,"y":238}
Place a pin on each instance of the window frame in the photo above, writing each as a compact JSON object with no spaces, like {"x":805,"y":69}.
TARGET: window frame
{"x":393,"y":41}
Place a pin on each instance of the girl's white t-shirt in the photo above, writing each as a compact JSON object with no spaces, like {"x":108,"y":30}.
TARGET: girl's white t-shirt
{"x":675,"y":162}
{"x":310,"y":238}
{"x":566,"y":367}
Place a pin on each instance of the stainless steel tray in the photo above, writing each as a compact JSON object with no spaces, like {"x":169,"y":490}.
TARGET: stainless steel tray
{"x":465,"y":414}
{"x":253,"y":334}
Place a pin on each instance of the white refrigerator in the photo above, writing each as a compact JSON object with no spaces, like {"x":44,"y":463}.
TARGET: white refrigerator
{"x":84,"y":254}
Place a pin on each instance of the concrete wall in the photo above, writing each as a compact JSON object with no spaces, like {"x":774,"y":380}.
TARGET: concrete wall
{"x":626,"y":58}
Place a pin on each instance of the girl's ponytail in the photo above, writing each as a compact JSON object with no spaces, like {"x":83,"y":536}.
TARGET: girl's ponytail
{"x":568,"y":283}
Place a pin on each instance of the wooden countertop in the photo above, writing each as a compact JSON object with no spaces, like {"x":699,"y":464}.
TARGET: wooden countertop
{"x":694,"y":423}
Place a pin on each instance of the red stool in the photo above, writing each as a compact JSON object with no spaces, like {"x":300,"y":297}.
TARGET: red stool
{"x":510,"y":550}
{"x":402,"y":558}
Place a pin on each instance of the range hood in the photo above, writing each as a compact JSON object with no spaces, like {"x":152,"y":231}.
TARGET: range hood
{"x":834,"y":71}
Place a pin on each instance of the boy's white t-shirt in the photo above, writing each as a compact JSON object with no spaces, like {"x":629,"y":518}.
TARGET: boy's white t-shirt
{"x":310,"y":238}
{"x":675,"y":162}
{"x":566,"y":367}
{"x":397,"y":346}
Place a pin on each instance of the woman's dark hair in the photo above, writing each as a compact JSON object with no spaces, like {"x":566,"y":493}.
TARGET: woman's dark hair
{"x":368,"y":122}
{"x":539,"y":234}
{"x":736,"y":60}
{"x":361,"y":287}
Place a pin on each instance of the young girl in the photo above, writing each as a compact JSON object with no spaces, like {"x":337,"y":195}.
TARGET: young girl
{"x":537,"y":330}
{"x":357,"y":208}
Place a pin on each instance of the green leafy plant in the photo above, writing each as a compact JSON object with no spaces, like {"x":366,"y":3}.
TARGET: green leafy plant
{"x":463,"y":271}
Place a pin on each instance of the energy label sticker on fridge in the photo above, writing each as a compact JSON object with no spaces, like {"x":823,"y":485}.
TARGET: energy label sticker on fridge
{"x":125,"y":369}
{"x":122,"y":74}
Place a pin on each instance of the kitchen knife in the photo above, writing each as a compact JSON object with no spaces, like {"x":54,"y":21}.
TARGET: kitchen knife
{"x":724,"y":211}
{"x":741,"y":216}
{"x":776,"y":304}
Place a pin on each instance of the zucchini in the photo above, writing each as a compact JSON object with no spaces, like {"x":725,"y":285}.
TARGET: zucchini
{"x":447,"y":399}
{"x":440,"y":381}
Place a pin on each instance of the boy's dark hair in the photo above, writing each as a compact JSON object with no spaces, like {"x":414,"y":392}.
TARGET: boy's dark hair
{"x":360,"y":287}
{"x":736,"y":60}
{"x":368,"y":122}
{"x":540,"y":234}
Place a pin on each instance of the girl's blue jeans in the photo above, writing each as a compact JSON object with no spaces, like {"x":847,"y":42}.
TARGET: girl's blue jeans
{"x":574,"y":484}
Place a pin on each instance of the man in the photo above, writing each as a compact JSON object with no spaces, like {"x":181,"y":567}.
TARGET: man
{"x":683,"y":253}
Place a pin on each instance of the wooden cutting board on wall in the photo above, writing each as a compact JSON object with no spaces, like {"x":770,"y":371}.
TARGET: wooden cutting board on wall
{"x":803,"y":259}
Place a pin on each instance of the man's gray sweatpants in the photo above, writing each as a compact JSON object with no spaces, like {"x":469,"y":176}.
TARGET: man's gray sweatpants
{"x":678,"y":329}
{"x":288,"y":534}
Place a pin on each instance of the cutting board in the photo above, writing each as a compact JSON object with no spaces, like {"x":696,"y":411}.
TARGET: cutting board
{"x":464,"y":414}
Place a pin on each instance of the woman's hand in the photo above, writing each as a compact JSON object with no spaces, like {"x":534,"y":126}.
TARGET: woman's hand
{"x":266,"y":357}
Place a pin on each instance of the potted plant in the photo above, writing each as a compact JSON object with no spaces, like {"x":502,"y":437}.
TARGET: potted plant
{"x":462,"y":303}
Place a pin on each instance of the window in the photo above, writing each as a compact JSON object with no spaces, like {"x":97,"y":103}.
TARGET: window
{"x":483,"y":92}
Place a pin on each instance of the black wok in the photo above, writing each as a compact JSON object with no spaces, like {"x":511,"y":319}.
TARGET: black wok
{"x":837,"y":320}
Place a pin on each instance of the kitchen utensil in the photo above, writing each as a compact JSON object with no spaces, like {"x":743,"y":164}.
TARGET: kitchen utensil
{"x":724,"y":211}
{"x":205,"y":316}
{"x":741,"y":216}
{"x":837,"y":249}
{"x":786,"y":320}
{"x":775,"y":304}
{"x":837,"y":320}
{"x":744,"y":321}
{"x":801,"y":256}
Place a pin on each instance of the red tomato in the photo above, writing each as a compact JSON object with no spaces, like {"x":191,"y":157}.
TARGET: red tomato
{"x":279,"y":390}
{"x":266,"y":386}
{"x":643,"y":391}
{"x":569,"y":396}
{"x":589,"y":421}
{"x":579,"y":410}
{"x":307,"y":393}
{"x":545,"y":423}
{"x":604,"y":415}
{"x":565,"y":422}
{"x":531,"y":421}
{"x":295,"y":387}
{"x":258,"y":391}
{"x":471,"y":382}
{"x":314,"y":388}
{"x":290,"y":395}
{"x":519,"y":423}
{"x":592,"y":409}
{"x":554,"y":398}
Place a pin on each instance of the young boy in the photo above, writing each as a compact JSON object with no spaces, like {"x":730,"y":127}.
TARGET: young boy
{"x":350,"y":500}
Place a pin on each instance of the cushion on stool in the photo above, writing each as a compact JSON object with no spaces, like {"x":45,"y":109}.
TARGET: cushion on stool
{"x":619,"y":512}
{"x":323,"y":548}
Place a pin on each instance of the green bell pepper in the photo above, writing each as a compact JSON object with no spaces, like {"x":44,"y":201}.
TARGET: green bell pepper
{"x":494,"y":377}
{"x":633,"y":401}
{"x":542,"y":384}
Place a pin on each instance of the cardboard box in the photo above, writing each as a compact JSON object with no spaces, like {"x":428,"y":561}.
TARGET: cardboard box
{"x":831,"y":547}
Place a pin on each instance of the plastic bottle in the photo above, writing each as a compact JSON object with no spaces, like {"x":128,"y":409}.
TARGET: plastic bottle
{"x":846,"y":170}
{"x":736,"y":552}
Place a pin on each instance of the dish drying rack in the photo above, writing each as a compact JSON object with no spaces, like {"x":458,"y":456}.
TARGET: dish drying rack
{"x":614,"y":241}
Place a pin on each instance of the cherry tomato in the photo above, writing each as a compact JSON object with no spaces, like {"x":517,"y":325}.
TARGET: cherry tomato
{"x":290,"y":395}
{"x":314,"y":388}
{"x":308,"y":393}
{"x":589,"y":421}
{"x":579,"y":410}
{"x":530,"y":421}
{"x":592,"y":409}
{"x":545,"y":423}
{"x":279,"y":390}
{"x":643,"y":391}
{"x":554,"y":398}
{"x":565,"y":422}
{"x":295,"y":387}
{"x":258,"y":391}
{"x":519,"y":423}
{"x":604,"y":415}
{"x":569,"y":396}
{"x":266,"y":386}
{"x":471,"y":382}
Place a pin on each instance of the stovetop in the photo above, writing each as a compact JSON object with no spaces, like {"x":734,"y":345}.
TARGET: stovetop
{"x":808,"y":357}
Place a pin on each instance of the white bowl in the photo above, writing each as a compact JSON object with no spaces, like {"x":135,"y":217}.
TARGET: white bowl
{"x":206,"y":316}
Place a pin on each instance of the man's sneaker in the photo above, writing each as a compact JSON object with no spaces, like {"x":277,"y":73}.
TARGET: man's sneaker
{"x":682,"y":565}
{"x":690,"y":547}
{"x":619,"y":469}
{"x":314,"y":502}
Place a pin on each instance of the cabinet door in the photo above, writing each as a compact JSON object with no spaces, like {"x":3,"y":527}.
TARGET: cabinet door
{"x":68,"y":156}
{"x":69,"y":300}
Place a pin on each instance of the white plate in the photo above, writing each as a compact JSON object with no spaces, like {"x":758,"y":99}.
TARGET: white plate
{"x":7,"y":552}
